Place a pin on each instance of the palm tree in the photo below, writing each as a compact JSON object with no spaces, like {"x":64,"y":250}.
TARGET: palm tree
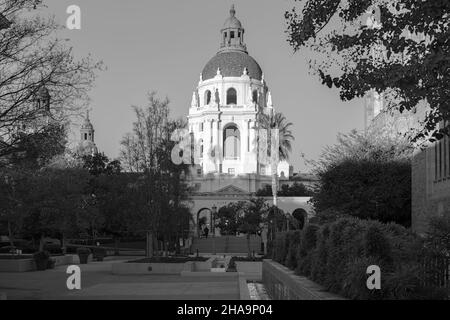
{"x":268,"y":122}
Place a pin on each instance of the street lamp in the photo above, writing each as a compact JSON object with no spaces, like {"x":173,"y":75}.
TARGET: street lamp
{"x":213,"y":226}
{"x":213,"y":219}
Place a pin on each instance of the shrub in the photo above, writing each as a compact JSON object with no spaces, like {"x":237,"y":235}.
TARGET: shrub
{"x":354,"y":285}
{"x":280,"y":247}
{"x":83,"y":254}
{"x":99,"y":253}
{"x":337,"y":255}
{"x":292,"y":252}
{"x":305,"y":252}
{"x":320,"y":255}
{"x":377,"y":245}
{"x":41,"y":259}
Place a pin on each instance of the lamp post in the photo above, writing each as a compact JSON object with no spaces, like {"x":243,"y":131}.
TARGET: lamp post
{"x":213,"y":226}
{"x":213,"y":220}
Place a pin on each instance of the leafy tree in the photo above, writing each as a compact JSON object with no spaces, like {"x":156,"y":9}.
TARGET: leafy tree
{"x":243,"y":216}
{"x":54,"y":203}
{"x":227,"y":218}
{"x":295,"y":190}
{"x":363,"y":177}
{"x":400,"y":48}
{"x":99,"y":164}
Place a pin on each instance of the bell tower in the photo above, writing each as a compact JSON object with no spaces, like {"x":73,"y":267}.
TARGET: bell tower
{"x":87,"y":130}
{"x":232,"y":34}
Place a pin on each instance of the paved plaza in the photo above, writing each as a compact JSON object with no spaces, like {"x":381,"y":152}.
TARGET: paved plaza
{"x":97,"y":282}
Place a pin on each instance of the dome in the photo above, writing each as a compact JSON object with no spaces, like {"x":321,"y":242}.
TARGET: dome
{"x":232,"y":23}
{"x":232,"y":64}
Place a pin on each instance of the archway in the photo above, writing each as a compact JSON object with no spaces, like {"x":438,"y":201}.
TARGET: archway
{"x":231,"y":142}
{"x":204,"y":218}
{"x":300,"y":215}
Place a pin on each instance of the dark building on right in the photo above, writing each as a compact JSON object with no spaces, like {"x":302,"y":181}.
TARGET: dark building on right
{"x":430,"y":185}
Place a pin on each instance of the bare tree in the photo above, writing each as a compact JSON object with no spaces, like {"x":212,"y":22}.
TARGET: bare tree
{"x":40,"y":80}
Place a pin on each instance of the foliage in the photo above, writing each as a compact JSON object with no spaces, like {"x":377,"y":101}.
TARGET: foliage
{"x":438,"y":234}
{"x":32,"y":58}
{"x":402,"y":50}
{"x":295,"y":190}
{"x":99,"y":164}
{"x":337,"y":254}
{"x":270,"y":122}
{"x":41,"y":259}
{"x":242,"y":216}
{"x":366,"y":178}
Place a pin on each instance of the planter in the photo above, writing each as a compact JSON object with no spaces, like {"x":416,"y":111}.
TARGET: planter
{"x":83,"y":255}
{"x":42,"y":260}
{"x":83,"y":258}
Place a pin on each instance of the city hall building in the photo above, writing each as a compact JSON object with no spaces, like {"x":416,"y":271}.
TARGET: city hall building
{"x":222,"y":121}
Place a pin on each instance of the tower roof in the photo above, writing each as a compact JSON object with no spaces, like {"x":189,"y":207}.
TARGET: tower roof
{"x":232,"y":22}
{"x":87,"y":125}
{"x":232,"y":64}
{"x":232,"y":58}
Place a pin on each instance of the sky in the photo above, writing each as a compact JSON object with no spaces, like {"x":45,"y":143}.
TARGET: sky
{"x":163,"y":45}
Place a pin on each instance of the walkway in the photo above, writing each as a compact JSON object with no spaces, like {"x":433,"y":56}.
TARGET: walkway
{"x":97,"y":282}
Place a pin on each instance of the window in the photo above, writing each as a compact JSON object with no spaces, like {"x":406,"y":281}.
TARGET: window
{"x":231,"y":171}
{"x":201,"y":126}
{"x":200,"y":142}
{"x":207,"y":97}
{"x":255,"y":96}
{"x":231,"y":96}
{"x":232,"y":34}
{"x":199,"y":171}
{"x":231,"y":142}
{"x":85,"y":136}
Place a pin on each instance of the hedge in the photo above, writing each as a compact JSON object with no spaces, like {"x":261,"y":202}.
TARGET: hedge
{"x":337,"y":254}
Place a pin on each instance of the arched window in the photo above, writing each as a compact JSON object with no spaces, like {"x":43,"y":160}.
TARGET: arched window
{"x":207,"y":97}
{"x":231,"y":142}
{"x":301,"y":216}
{"x":231,"y":96}
{"x":255,"y":96}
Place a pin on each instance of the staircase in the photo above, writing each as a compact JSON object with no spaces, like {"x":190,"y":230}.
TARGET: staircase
{"x":226,"y":244}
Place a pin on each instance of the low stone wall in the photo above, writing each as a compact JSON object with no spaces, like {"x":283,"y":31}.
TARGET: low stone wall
{"x":147,"y":268}
{"x":63,"y":260}
{"x":244,"y":292}
{"x":17,"y":265}
{"x":282,"y":284}
{"x":251,"y":269}
{"x":28,"y":264}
